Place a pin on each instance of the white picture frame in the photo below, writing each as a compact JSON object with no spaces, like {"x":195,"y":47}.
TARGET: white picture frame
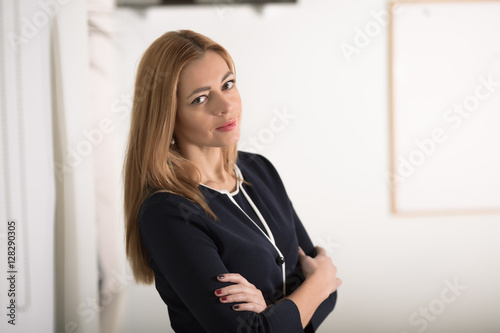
{"x":444,"y":107}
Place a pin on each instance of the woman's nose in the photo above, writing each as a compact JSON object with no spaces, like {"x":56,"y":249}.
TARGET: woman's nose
{"x":222,"y":105}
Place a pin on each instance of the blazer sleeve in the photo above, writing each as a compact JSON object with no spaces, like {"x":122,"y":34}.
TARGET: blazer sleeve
{"x":303,"y":239}
{"x":327,"y":306}
{"x":182,"y":252}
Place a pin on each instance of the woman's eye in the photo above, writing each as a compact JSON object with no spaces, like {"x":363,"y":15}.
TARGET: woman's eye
{"x":229,"y":84}
{"x":199,"y":100}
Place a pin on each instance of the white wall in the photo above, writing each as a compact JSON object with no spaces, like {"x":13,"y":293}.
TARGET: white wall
{"x":334,"y":158}
{"x":27,"y":194}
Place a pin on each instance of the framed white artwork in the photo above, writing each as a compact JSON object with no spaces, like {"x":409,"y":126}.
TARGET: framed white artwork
{"x":445,"y":107}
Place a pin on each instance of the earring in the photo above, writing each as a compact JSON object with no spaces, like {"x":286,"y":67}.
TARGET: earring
{"x":172,"y":142}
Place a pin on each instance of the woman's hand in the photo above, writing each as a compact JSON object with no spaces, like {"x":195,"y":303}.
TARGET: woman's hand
{"x":320,"y":268}
{"x":241,"y":291}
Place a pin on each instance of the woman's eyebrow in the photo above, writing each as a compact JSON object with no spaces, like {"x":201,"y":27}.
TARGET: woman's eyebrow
{"x":208,"y":88}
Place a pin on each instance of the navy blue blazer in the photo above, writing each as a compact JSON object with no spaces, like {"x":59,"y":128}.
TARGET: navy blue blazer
{"x":187,"y":250}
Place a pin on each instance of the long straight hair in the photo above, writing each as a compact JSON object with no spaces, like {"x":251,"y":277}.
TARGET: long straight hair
{"x":153,"y":163}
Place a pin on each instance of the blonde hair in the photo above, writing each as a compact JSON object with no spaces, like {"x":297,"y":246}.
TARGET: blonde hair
{"x":152,"y":163}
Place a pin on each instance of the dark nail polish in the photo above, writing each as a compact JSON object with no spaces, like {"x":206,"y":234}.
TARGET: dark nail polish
{"x":221,"y":277}
{"x":236,"y":307}
{"x":218,"y":291}
{"x":224,"y":298}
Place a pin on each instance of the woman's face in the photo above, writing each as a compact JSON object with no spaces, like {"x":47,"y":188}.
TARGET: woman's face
{"x":208,"y":105}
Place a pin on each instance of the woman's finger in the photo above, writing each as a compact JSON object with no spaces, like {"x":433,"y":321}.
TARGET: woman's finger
{"x":258,"y":308}
{"x":234,"y":289}
{"x":320,"y":251}
{"x":301,"y":252}
{"x":246,"y":302}
{"x":232,"y":277}
{"x":302,"y":256}
{"x":241,"y":297}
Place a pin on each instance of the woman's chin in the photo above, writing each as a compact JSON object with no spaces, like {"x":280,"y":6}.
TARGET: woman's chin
{"x":229,"y":142}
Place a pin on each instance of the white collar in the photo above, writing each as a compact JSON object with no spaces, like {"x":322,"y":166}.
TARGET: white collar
{"x":239,"y":181}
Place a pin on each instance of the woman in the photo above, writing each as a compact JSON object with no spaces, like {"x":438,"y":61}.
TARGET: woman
{"x":211,"y":226}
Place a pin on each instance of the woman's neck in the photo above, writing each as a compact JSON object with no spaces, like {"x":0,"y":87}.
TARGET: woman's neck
{"x":210,"y":163}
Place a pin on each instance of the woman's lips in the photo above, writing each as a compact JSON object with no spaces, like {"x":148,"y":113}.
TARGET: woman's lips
{"x":229,"y":126}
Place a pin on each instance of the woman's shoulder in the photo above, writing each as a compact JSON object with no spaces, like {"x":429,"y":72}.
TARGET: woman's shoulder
{"x":164,"y":198}
{"x":254,"y":161}
{"x":256,"y":167}
{"x":167,"y":205}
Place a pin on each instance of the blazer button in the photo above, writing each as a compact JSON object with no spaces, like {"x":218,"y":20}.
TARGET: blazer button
{"x":280,"y":260}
